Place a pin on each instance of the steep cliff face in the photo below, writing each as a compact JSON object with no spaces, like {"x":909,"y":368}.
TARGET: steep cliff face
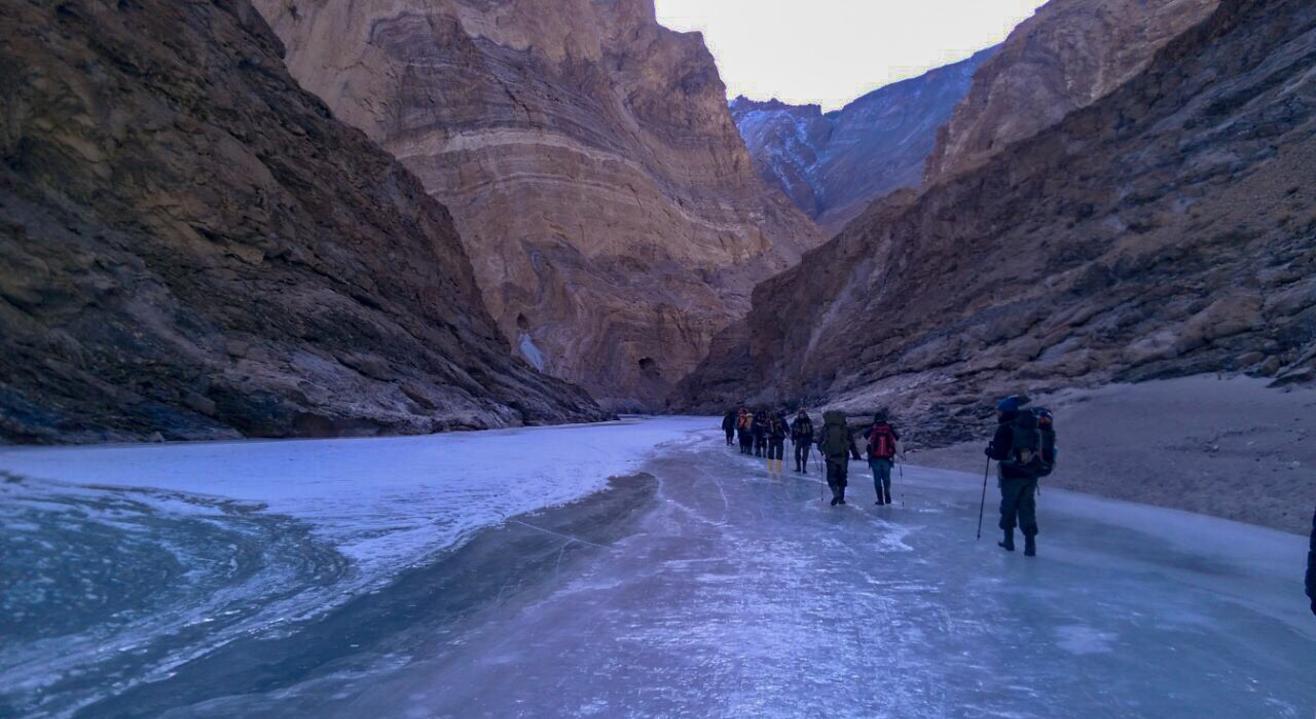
{"x":1068,"y":55}
{"x":1166,"y":230}
{"x":612,"y":214}
{"x":832,"y":165}
{"x":191,"y":247}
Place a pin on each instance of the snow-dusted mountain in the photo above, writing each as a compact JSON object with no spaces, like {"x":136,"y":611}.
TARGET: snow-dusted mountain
{"x":832,"y":165}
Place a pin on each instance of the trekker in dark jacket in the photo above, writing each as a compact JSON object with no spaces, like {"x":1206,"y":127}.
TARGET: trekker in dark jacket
{"x":837,"y":447}
{"x":777,"y":431}
{"x":729,"y":425}
{"x":1017,"y":482}
{"x":882,"y":438}
{"x":1311,"y":566}
{"x":760,"y":429}
{"x":802,"y":437}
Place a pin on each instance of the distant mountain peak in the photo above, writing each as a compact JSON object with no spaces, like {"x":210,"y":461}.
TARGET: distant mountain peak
{"x":831,"y":165}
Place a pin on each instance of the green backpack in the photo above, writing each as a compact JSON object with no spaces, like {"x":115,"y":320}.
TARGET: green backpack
{"x":835,"y":435}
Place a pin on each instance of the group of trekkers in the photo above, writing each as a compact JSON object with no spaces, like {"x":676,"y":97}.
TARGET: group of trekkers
{"x":1023,"y":446}
{"x":764,"y":434}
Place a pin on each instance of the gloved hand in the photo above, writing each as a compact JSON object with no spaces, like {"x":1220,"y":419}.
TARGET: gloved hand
{"x":991,"y":449}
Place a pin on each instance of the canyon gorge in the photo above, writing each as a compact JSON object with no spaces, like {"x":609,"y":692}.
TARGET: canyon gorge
{"x":610,"y":209}
{"x":1165,"y":229}
{"x":311,"y":219}
{"x":192,"y":248}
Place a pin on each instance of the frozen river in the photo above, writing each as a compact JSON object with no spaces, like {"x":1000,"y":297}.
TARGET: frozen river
{"x":421,"y":577}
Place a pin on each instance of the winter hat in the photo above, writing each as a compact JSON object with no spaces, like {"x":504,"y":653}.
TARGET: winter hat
{"x":1012,"y":403}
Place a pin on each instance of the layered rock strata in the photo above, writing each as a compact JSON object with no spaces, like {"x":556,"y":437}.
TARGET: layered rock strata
{"x":1168,"y":229}
{"x":192,"y":248}
{"x":832,"y":165}
{"x":611,"y":211}
{"x":1068,"y":55}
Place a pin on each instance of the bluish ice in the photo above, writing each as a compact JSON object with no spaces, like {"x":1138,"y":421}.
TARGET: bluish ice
{"x":487,"y":574}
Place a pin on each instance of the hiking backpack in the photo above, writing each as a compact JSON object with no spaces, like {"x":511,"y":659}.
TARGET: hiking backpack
{"x":882,"y":442}
{"x":803,"y":429}
{"x":744,"y":422}
{"x":1033,"y":442}
{"x":1047,"y":437}
{"x":835,"y":435}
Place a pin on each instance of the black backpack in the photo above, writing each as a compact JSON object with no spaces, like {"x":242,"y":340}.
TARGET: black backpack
{"x":1033,"y":442}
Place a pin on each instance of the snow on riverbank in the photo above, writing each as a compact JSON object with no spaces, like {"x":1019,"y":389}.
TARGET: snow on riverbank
{"x":380,"y":501}
{"x":124,"y":563}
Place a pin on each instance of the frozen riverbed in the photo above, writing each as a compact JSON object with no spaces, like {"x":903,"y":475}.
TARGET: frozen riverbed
{"x":707,"y":590}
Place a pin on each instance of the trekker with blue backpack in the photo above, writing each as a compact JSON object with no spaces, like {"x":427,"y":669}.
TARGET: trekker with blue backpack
{"x":882,"y":438}
{"x":1025,"y":448}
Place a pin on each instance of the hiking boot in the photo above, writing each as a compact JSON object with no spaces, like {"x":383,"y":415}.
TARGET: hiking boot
{"x":879,"y":500}
{"x":1008,"y":544}
{"x":834,"y":501}
{"x":888,"y":496}
{"x":1030,"y":546}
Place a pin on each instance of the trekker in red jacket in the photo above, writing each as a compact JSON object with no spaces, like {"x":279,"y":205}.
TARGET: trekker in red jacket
{"x":882,"y":438}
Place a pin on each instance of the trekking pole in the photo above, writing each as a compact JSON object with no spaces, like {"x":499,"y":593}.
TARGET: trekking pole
{"x":983,"y":507}
{"x":820,"y":484}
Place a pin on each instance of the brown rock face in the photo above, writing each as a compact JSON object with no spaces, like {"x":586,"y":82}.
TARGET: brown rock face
{"x":1068,"y":55}
{"x":612,"y":214}
{"x":1166,"y":230}
{"x":190,"y":247}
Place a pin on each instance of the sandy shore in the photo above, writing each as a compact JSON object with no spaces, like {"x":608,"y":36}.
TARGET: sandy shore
{"x":1231,"y":448}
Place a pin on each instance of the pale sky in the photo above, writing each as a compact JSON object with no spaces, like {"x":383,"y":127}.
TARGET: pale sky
{"x":832,"y":51}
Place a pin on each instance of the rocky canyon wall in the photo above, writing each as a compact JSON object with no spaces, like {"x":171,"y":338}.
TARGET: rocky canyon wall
{"x":1068,"y":55}
{"x":1167,"y":229}
{"x":192,"y":248}
{"x":833,"y":165}
{"x":610,"y":209}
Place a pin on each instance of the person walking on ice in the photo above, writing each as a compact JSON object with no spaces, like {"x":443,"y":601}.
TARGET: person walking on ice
{"x":744,"y":430}
{"x":729,"y":426}
{"x":837,"y":447}
{"x":760,"y":431}
{"x":802,"y":437}
{"x":1024,"y":448}
{"x":1311,"y":566}
{"x":882,"y":438}
{"x":777,"y":431}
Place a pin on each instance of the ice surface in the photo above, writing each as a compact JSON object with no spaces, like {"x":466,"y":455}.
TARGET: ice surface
{"x":151,"y":555}
{"x":731,"y":595}
{"x":743,"y":596}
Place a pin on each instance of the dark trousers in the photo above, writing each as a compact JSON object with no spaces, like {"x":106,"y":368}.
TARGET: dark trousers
{"x":802,"y":455}
{"x":882,"y":478}
{"x":760,"y":445}
{"x":745,"y":442}
{"x":1019,"y":505}
{"x":731,"y":434}
{"x":776,"y":449}
{"x":837,"y":469}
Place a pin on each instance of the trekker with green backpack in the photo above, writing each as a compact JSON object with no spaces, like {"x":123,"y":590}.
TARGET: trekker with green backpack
{"x":882,"y":438}
{"x":1025,"y":448}
{"x":837,"y":447}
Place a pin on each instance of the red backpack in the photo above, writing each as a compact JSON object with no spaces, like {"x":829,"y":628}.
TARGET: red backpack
{"x":881,"y":442}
